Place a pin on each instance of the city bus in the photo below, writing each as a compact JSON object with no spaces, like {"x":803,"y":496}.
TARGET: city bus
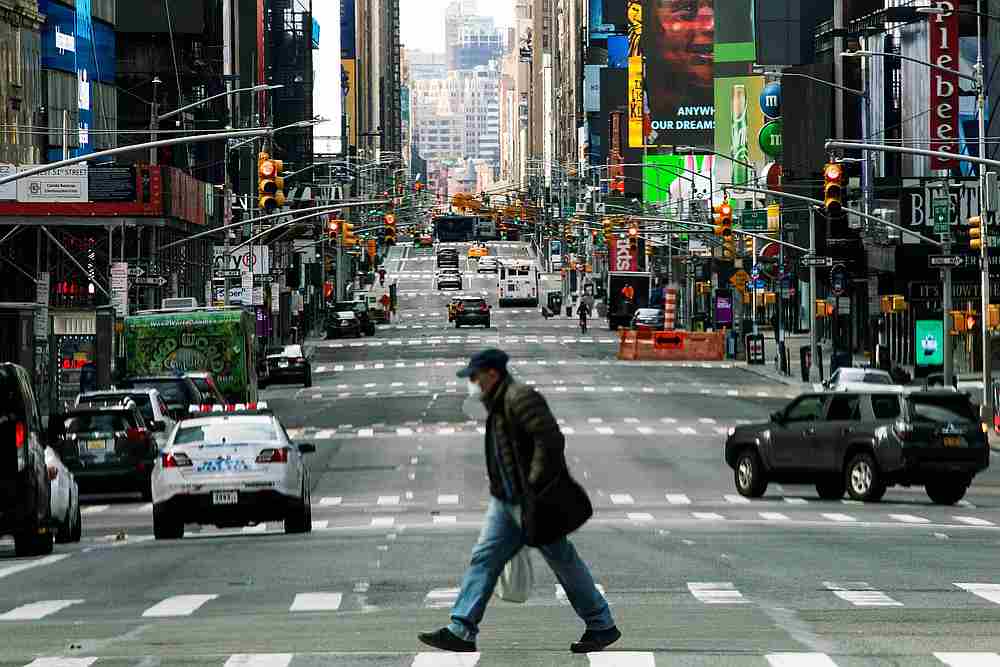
{"x":517,"y":282}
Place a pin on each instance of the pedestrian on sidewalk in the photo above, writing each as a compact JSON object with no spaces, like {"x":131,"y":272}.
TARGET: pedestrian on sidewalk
{"x":524,"y":454}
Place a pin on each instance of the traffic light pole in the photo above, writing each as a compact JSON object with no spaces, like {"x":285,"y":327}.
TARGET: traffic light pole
{"x":813,"y":347}
{"x":946,"y":308}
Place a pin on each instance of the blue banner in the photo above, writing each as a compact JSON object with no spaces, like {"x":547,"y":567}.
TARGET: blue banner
{"x":85,"y":68}
{"x":59,"y":47}
{"x":347,"y":39}
{"x":618,"y":51}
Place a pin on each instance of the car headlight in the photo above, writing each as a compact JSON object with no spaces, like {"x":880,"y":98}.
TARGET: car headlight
{"x":731,"y":431}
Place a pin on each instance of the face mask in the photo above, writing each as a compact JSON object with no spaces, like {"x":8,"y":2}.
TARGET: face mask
{"x":475,"y":391}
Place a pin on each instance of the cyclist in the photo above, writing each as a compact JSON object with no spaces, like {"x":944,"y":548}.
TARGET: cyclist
{"x":583,"y":310}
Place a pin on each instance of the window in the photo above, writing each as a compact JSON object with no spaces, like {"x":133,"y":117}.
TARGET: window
{"x":885,"y":406}
{"x":808,"y":408}
{"x":846,"y":407}
{"x":942,"y":409}
{"x":877,"y":378}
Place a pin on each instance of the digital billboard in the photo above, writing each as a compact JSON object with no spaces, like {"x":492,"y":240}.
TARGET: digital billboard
{"x":738,"y":122}
{"x":677,"y":177}
{"x":678,"y":45}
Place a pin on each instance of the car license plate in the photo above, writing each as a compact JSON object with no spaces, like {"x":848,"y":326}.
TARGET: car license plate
{"x":282,"y":364}
{"x":225,"y":497}
{"x":97,"y":444}
{"x":952,"y":441}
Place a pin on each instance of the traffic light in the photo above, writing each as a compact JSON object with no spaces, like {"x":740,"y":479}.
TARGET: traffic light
{"x":390,"y":229}
{"x":748,"y":242}
{"x":609,"y":227}
{"x":270,"y":186}
{"x":970,"y":321}
{"x":993,"y":317}
{"x":347,"y":237}
{"x":957,"y":321}
{"x":833,"y":190}
{"x":633,"y":239}
{"x":724,"y":228}
{"x":332,"y":228}
{"x":976,"y":232}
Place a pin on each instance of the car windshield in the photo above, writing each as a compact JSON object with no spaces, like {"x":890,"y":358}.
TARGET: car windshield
{"x":141,"y":401}
{"x":473,"y":303}
{"x":227,"y":431}
{"x":98,"y":422}
{"x":942,"y":409}
{"x":647,"y":313}
{"x":172,"y":391}
{"x":877,"y":378}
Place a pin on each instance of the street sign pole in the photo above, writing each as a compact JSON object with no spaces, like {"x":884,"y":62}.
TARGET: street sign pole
{"x":813,"y":348}
{"x":946,"y":307}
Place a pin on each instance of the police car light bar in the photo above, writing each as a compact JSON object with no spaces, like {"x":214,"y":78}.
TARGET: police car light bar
{"x":229,"y":407}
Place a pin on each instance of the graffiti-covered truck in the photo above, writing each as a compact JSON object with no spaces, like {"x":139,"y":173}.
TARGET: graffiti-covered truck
{"x":217,"y":340}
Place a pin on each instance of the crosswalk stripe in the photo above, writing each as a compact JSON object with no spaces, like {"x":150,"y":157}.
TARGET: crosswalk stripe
{"x":799,"y":660}
{"x":142,"y":509}
{"x":36,"y":610}
{"x":861,"y":594}
{"x":259,"y":660}
{"x":735,"y":499}
{"x":796,"y":501}
{"x":331,"y":500}
{"x":621,"y":659}
{"x":448,"y":499}
{"x":61,"y":662}
{"x":773,"y":516}
{"x":644,"y":430}
{"x":622,"y":499}
{"x":974,"y":521}
{"x":989,"y":592}
{"x":177,"y":605}
{"x":968,"y":659}
{"x":638,"y":516}
{"x":707,"y":516}
{"x":366,"y":433}
{"x":678,"y":499}
{"x":320,"y":524}
{"x":834,"y":516}
{"x":387,"y":500}
{"x":444,"y":518}
{"x":259,"y":528}
{"x":909,"y":518}
{"x":440,"y":597}
{"x":94,"y":509}
{"x":325,"y":434}
{"x":561,"y":592}
{"x":316,"y":602}
{"x":605,"y":430}
{"x":438,"y":659}
{"x":718,"y":592}
{"x":383,"y":521}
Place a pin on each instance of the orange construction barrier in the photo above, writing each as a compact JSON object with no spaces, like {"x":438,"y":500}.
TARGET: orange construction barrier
{"x":676,"y":345}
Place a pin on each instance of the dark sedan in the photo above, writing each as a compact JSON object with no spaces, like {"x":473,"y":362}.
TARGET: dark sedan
{"x":472,"y":311}
{"x":290,"y":365}
{"x":343,"y":323}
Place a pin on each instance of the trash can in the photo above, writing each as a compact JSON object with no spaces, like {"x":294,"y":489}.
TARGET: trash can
{"x":805,"y":360}
{"x":555,"y":301}
{"x":755,"y":349}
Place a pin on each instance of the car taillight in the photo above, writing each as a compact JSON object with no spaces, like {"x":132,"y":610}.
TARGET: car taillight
{"x":135,"y":434}
{"x":279,"y":455}
{"x":19,"y":435}
{"x":484,"y":307}
{"x":903,"y":429}
{"x":460,"y":307}
{"x":176,"y":460}
{"x":53,"y":472}
{"x":985,"y":427}
{"x":298,"y":360}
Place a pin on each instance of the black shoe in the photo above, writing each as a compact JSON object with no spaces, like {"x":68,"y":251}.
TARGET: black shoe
{"x":596,"y":640}
{"x":446,"y":640}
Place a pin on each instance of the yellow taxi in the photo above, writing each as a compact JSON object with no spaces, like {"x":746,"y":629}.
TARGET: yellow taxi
{"x":478,"y":251}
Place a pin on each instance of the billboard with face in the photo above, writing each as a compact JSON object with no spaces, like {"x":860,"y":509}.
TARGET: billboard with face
{"x":677,"y":42}
{"x":738,"y":120}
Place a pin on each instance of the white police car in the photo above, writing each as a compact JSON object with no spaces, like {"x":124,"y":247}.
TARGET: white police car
{"x":230,"y":466}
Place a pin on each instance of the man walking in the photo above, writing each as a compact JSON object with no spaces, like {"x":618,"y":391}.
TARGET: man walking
{"x":524,"y":446}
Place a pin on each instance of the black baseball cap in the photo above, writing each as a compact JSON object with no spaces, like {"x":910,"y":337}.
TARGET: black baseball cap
{"x":491,"y":358}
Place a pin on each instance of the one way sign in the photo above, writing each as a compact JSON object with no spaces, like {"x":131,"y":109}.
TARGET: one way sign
{"x":941,"y":261}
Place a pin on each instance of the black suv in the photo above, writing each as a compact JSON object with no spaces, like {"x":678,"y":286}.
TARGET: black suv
{"x":864,"y":442}
{"x":178,"y":392}
{"x":472,"y":311}
{"x":25,"y":510}
{"x":360,"y":309}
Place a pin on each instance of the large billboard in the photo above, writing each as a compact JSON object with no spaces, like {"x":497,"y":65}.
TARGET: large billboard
{"x":678,"y":178}
{"x":349,"y":78}
{"x":738,"y":122}
{"x":944,"y":86}
{"x":677,"y":44}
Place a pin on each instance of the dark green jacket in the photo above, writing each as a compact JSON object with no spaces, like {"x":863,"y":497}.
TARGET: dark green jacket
{"x":520,"y":417}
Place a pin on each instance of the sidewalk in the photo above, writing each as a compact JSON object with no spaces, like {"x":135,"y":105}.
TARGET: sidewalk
{"x":793,"y":342}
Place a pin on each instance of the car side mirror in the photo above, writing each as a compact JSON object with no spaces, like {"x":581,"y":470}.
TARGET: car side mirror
{"x":777,"y":417}
{"x":307,"y":448}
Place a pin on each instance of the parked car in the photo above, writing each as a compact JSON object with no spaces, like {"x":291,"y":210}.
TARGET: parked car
{"x":864,"y":442}
{"x":64,"y":499}
{"x":25,"y":498}
{"x":488,"y":264}
{"x":108,"y":449}
{"x":861,"y":379}
{"x":206,"y":385}
{"x":289,"y":365}
{"x":360,"y":308}
{"x":342,"y":323}
{"x":152,"y":406}
{"x":179,"y":392}
{"x":450,"y":278}
{"x":648,"y":317}
{"x":472,"y":311}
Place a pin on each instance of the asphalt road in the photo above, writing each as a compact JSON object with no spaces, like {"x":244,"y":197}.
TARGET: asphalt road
{"x":695,"y":574}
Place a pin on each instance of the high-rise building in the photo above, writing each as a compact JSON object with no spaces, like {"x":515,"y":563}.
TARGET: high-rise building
{"x":426,"y":65}
{"x":19,"y":87}
{"x":470,"y":39}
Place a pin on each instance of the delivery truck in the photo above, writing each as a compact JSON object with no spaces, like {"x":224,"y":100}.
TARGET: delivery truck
{"x":620,"y":309}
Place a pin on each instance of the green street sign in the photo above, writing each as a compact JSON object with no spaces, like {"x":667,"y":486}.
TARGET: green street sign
{"x":753,"y":221}
{"x":941,"y":210}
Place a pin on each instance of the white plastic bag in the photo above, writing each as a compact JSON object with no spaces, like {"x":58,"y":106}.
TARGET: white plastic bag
{"x":517,"y":578}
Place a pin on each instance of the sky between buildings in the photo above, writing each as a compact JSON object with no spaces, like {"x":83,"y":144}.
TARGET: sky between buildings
{"x":422,"y":27}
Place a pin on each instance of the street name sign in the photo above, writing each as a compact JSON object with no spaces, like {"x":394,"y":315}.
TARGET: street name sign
{"x":136,"y":271}
{"x":155,"y":281}
{"x":227,"y":273}
{"x":953,"y":261}
{"x":754,"y":221}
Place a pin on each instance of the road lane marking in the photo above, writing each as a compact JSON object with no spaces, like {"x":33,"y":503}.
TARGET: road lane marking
{"x":605,"y":430}
{"x":707,"y":516}
{"x":320,"y":524}
{"x":687,"y":430}
{"x":990,"y":592}
{"x":678,"y":499}
{"x":909,"y":518}
{"x":968,"y":659}
{"x":444,"y":518}
{"x":735,"y":499}
{"x":773,"y":516}
{"x":316,"y":602}
{"x":799,"y":660}
{"x":716,"y":592}
{"x":61,"y":662}
{"x":177,"y":605}
{"x":622,"y":499}
{"x":621,"y":659}
{"x":638,"y":516}
{"x":834,"y":516}
{"x":438,"y":659}
{"x":974,"y":521}
{"x":383,"y":521}
{"x":21,"y":567}
{"x":448,"y":499}
{"x":331,"y":500}
{"x":796,"y":501}
{"x":561,"y":592}
{"x":94,"y":509}
{"x":387,"y":500}
{"x":861,"y":594}
{"x":36,"y":610}
{"x":259,"y":660}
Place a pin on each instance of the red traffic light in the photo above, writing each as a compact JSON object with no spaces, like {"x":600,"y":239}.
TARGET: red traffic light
{"x":633,"y":231}
{"x":970,"y":322}
{"x":832,"y":172}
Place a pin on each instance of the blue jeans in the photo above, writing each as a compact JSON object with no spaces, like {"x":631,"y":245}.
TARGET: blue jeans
{"x":499,"y":541}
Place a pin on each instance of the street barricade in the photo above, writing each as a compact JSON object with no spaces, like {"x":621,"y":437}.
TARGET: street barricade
{"x":676,"y":345}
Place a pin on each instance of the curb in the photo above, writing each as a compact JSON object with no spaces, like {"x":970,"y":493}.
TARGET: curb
{"x":788,"y":381}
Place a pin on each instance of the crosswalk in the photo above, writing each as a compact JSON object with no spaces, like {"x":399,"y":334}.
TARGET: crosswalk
{"x":610,"y":658}
{"x":524,"y":364}
{"x":548,"y":387}
{"x":495,"y":339}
